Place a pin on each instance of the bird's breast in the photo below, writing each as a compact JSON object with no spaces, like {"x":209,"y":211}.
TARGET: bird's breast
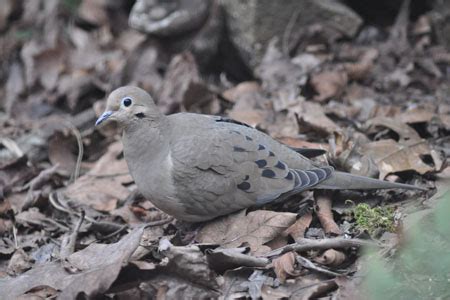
{"x":153,"y":177}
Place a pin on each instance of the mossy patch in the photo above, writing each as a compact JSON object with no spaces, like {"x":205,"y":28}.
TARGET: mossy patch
{"x":374,"y":219}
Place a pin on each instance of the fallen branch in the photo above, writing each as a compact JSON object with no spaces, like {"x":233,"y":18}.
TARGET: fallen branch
{"x":306,"y":263}
{"x":323,"y":244}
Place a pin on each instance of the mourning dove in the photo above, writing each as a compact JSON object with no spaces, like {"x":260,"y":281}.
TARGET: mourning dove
{"x":197,"y":167}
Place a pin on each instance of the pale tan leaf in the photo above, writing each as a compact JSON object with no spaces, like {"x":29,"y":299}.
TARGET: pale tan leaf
{"x":254,"y":229}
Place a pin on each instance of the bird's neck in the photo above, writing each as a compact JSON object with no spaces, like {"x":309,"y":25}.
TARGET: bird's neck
{"x":146,"y":140}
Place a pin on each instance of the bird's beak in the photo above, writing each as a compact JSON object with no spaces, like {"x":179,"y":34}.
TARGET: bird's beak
{"x":103,"y":117}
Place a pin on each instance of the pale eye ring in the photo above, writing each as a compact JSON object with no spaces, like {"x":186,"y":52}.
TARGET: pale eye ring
{"x":127,"y":101}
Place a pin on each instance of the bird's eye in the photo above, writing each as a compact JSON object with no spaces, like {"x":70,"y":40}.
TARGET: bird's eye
{"x":126,"y":101}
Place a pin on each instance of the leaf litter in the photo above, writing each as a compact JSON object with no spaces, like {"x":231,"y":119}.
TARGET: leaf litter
{"x":72,"y":223}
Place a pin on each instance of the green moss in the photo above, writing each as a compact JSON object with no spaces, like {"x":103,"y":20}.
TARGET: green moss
{"x":374,"y":219}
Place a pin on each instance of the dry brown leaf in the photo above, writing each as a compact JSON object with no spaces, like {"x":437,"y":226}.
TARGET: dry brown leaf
{"x":284,"y":266}
{"x":311,"y":115}
{"x":254,"y":229}
{"x":93,"y":11}
{"x":285,"y":124}
{"x":298,"y":229}
{"x":331,"y":258}
{"x":325,"y":214}
{"x":328,"y":84}
{"x":236,"y":92}
{"x":97,"y":267}
{"x":405,"y":132}
{"x":6,"y":226}
{"x":362,"y":68}
{"x":19,"y":262}
{"x":416,"y":115}
{"x":281,"y":78}
{"x":61,"y":152}
{"x":102,"y":186}
{"x":181,"y":72}
{"x":250,"y":106}
{"x":391,"y":157}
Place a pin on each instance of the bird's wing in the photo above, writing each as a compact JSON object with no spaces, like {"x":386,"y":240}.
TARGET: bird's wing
{"x":231,"y":170}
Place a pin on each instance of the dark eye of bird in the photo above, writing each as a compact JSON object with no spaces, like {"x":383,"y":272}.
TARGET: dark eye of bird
{"x":127,"y":102}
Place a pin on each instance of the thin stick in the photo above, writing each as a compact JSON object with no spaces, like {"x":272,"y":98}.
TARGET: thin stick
{"x":323,"y":244}
{"x":306,"y":263}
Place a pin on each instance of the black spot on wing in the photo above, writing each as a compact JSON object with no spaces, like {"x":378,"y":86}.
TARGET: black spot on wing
{"x":140,"y":115}
{"x":271,"y":153}
{"x":280,"y":165}
{"x":246,"y":177}
{"x":244,"y":186}
{"x":289,"y":176}
{"x":268,"y":173}
{"x":261,"y":147}
{"x":248,"y":138}
{"x":238,"y":149}
{"x":261,"y":163}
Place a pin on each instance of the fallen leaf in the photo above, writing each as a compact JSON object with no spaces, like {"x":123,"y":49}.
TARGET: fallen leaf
{"x":325,"y":214}
{"x":191,"y":263}
{"x":311,"y":115}
{"x":284,"y":266}
{"x":61,"y":149}
{"x":331,"y":257}
{"x":250,"y":107}
{"x":93,"y":11}
{"x":19,"y":263}
{"x":405,"y":132}
{"x":328,"y":84}
{"x":281,"y":77}
{"x":236,"y":92}
{"x":181,"y":73}
{"x":103,"y":186}
{"x":392,"y":157}
{"x":298,"y":229}
{"x":254,"y":229}
{"x":98,"y":266}
{"x":361,"y":69}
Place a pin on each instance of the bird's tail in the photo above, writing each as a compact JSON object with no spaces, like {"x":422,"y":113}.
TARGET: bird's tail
{"x":347,"y":181}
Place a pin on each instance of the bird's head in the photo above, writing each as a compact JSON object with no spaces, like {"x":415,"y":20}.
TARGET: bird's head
{"x":127,"y":105}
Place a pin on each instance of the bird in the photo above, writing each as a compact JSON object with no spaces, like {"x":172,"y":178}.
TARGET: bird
{"x":198,"y":167}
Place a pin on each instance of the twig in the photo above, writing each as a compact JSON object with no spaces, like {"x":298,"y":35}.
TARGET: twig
{"x":323,"y":244}
{"x":77,"y":135}
{"x":11,"y":146}
{"x":16,"y":244}
{"x":95,"y":225}
{"x":54,"y":201}
{"x":288,"y":31}
{"x":159,"y":222}
{"x":113,"y":233}
{"x":306,"y":263}
{"x":107,"y":175}
{"x":68,"y":242}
